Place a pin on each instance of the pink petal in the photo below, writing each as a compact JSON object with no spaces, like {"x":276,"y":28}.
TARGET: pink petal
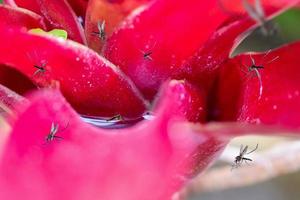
{"x":90,"y":83}
{"x":151,"y":160}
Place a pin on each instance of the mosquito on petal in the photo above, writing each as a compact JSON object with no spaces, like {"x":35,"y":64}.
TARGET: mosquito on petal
{"x":41,"y":69}
{"x":53,"y":131}
{"x":147,"y":54}
{"x":241,"y":157}
{"x":255,"y":69}
{"x":101,"y":30}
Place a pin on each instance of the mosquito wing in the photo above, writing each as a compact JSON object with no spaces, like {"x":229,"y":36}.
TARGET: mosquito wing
{"x":241,"y":148}
{"x":54,"y":128}
{"x":244,"y":151}
{"x":101,"y":26}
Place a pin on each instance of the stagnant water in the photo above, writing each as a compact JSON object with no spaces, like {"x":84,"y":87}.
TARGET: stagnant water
{"x":115,"y":123}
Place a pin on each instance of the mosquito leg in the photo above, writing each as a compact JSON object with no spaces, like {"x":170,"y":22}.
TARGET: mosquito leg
{"x":58,"y":137}
{"x":266,"y":54}
{"x":260,"y":82}
{"x":274,"y":59}
{"x":245,"y":70}
{"x":246,"y":161}
{"x":252,"y":59}
{"x":65,"y":127}
{"x":233,"y":167}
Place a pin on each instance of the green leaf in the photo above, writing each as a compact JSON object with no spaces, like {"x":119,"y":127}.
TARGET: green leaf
{"x":59,"y":33}
{"x":1,"y":1}
{"x":288,"y":30}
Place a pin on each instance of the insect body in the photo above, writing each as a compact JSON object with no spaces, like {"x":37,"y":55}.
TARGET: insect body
{"x":257,"y":13}
{"x":52,"y":135}
{"x":241,"y":157}
{"x":254,"y":68}
{"x":40,"y":69}
{"x":147,"y":55}
{"x":101,"y":31}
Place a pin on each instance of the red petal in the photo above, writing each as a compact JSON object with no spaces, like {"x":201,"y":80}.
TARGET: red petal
{"x":151,"y":157}
{"x":202,"y":67}
{"x":58,"y":14}
{"x":92,"y":84}
{"x":112,"y":12}
{"x":10,"y":16}
{"x":170,"y":30}
{"x":273,"y":102}
{"x":237,"y":6}
{"x":15,"y":80}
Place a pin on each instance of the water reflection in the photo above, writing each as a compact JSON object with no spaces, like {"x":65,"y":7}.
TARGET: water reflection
{"x":115,"y":122}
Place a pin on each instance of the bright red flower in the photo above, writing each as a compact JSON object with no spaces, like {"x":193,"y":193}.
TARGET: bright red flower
{"x":149,"y":43}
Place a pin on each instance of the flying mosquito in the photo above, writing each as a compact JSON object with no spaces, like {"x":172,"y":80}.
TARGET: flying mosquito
{"x":241,"y":157}
{"x":53,"y":131}
{"x":257,"y":13}
{"x":101,"y":30}
{"x":255,"y":69}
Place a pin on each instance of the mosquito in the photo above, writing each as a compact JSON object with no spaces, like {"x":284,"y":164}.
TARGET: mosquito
{"x":257,"y":13}
{"x":254,"y":68}
{"x":41,"y":69}
{"x":241,"y":157}
{"x":147,"y":54}
{"x":53,"y":131}
{"x":101,"y":30}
